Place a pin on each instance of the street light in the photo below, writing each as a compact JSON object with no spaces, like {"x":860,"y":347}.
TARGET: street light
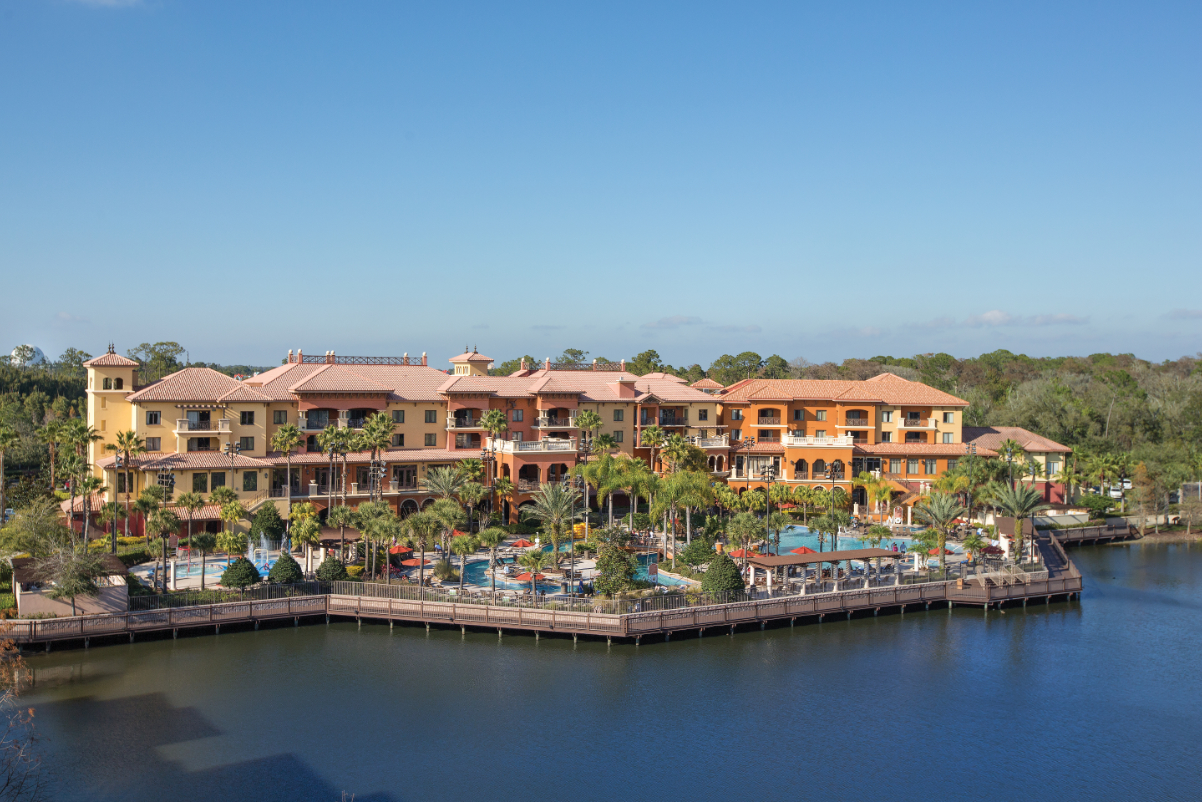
{"x":770,"y":474}
{"x":748,"y":442}
{"x":488,"y":459}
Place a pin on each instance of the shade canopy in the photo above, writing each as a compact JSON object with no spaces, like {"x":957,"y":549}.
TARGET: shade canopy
{"x":522,"y":544}
{"x":936,"y":551}
{"x":744,"y":553}
{"x":803,"y":550}
{"x":773,"y":561}
{"x":526,"y":577}
{"x":413,"y":563}
{"x":400,"y":550}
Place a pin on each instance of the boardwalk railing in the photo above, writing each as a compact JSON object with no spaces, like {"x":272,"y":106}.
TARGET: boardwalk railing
{"x":1084,"y":533}
{"x":193,"y":598}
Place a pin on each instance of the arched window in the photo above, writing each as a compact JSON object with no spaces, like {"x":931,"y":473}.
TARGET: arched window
{"x":819,"y":468}
{"x":801,"y":469}
{"x":118,"y":384}
{"x":108,"y":384}
{"x":837,"y":469}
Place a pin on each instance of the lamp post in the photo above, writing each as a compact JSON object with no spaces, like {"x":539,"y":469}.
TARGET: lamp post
{"x":748,"y":442}
{"x":970,"y":452}
{"x":233,"y":450}
{"x":488,"y":460}
{"x":770,"y":474}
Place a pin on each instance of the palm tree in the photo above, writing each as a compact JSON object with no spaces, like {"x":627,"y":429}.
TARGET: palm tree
{"x":639,"y":481}
{"x":341,"y":516}
{"x":51,"y":434}
{"x":287,"y":439}
{"x":495,"y":423}
{"x":1070,"y":476}
{"x":1020,"y":503}
{"x":471,"y":494}
{"x":875,"y":536}
{"x":471,"y":469}
{"x":653,"y":437}
{"x":231,"y":513}
{"x":555,"y":506}
{"x":534,"y":560}
{"x":422,"y":528}
{"x":204,"y":542}
{"x":675,"y":451}
{"x":190,"y":502}
{"x":79,"y":435}
{"x":164,"y":523}
{"x":463,"y":545}
{"x":603,"y":444}
{"x":973,"y":544}
{"x":8,"y":439}
{"x":777,"y":523}
{"x":450,"y":514}
{"x":307,"y":533}
{"x":444,"y":482}
{"x":743,"y":530}
{"x":824,"y":526}
{"x":726,"y":498}
{"x":491,"y":538}
{"x":1010,"y":451}
{"x":376,"y":523}
{"x":73,"y":468}
{"x":376,"y":436}
{"x":128,"y":446}
{"x":597,"y":474}
{"x":589,"y":421}
{"x":504,"y":488}
{"x":88,"y":486}
{"x":940,"y":512}
{"x":330,"y":442}
{"x":696,"y":491}
{"x":805,"y":498}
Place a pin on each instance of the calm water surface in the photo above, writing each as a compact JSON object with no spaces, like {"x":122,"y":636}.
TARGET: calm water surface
{"x":1091,"y":700}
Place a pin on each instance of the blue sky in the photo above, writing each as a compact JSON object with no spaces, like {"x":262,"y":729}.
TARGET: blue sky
{"x":817,"y":180}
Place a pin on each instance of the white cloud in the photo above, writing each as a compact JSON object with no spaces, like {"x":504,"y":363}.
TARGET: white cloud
{"x":994,"y":317}
{"x":753,"y":329}
{"x":1185,"y":314}
{"x":673,"y":322}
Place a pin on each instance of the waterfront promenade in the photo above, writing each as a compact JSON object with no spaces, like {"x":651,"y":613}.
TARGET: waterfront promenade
{"x":631,"y":620}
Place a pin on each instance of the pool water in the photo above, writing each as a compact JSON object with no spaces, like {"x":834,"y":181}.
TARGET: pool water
{"x":666,"y":581}
{"x":476,"y":573}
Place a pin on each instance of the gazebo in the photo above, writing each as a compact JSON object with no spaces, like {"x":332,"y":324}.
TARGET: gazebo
{"x":771,"y":562}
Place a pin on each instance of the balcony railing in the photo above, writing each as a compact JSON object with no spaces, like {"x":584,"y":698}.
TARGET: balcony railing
{"x":916,"y":423}
{"x":799,"y":441}
{"x":524,"y":446}
{"x":672,"y":420}
{"x":355,"y":423}
{"x":314,"y":425}
{"x":857,"y":422}
{"x":547,"y":422}
{"x":462,"y":423}
{"x":711,"y":442}
{"x":186,"y":425}
{"x":767,"y":421}
{"x":527,"y":485}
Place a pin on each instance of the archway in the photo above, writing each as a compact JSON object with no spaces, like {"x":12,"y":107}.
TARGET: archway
{"x":801,"y":469}
{"x":408,"y":507}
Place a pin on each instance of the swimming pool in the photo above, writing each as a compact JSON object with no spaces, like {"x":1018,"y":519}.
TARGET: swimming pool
{"x":643,"y":575}
{"x":476,"y":573}
{"x":796,"y":536}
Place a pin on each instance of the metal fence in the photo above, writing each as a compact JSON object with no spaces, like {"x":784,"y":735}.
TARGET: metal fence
{"x":191,"y":598}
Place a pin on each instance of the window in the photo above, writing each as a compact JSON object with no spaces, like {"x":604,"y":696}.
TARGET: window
{"x":1053,"y":469}
{"x":619,"y":436}
{"x":108,"y":384}
{"x":154,"y":418}
{"x":799,"y":414}
{"x":200,"y":483}
{"x":398,"y":441}
{"x":104,"y":426}
{"x":886,"y":437}
{"x":279,"y":417}
{"x":104,"y":402}
{"x":949,"y":437}
{"x":932,"y":467}
{"x":246,"y":418}
{"x":951,"y":464}
{"x":887,"y":416}
{"x":121,"y":482}
{"x":949,"y":417}
{"x":736,"y":434}
{"x":703,"y":414}
{"x":311,"y":443}
{"x":820,"y":433}
{"x":430,"y":416}
{"x":250,"y":481}
{"x":916,"y":437}
{"x":894,"y":466}
{"x":519,"y":415}
{"x":398,"y":416}
{"x":246,"y":443}
{"x":218,"y":479}
{"x":736,"y":414}
{"x":154,"y":444}
{"x":431,"y":440}
{"x":118,"y":384}
{"x":516,"y":437}
{"x":199,"y":444}
{"x":820,"y":415}
{"x":619,"y":415}
{"x":911,"y":466}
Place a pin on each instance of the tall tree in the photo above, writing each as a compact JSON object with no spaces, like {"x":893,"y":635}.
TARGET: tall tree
{"x":8,"y":440}
{"x":1020,"y":503}
{"x":653,"y":437}
{"x":940,"y":512}
{"x":287,"y":439}
{"x":555,"y":506}
{"x":128,"y":446}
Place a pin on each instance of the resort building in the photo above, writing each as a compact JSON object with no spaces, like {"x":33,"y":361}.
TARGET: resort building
{"x":825,"y":432}
{"x":1049,"y":455}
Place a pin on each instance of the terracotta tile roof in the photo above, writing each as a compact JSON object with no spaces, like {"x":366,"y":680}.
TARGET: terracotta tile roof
{"x":110,"y":361}
{"x":470,"y":356}
{"x":886,"y":388}
{"x":189,"y":384}
{"x":991,"y":437}
{"x":707,"y":384}
{"x":760,"y":448}
{"x":107,"y":463}
{"x":667,"y":376}
{"x":403,"y":382}
{"x":917,"y":450}
{"x":243,"y":393}
{"x":201,"y":461}
{"x":337,"y":379}
{"x":96,"y":502}
{"x":209,"y":512}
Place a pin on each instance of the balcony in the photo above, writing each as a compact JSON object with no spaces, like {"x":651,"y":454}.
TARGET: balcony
{"x":528,"y":485}
{"x":916,"y":423}
{"x":545,"y":422}
{"x":355,"y":423}
{"x":855,"y":423}
{"x":462,"y":423}
{"x":810,"y":441}
{"x":673,"y":420}
{"x":312,"y":425}
{"x":767,"y":422}
{"x":711,"y":442}
{"x":545,"y":445}
{"x":186,"y":425}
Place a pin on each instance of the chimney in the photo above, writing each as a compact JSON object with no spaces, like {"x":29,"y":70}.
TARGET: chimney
{"x":548,"y":363}
{"x":330,"y":357}
{"x":300,"y":355}
{"x":623,"y":365}
{"x":624,"y":388}
{"x":523,"y":363}
{"x":594,"y":364}
{"x":405,"y":359}
{"x":423,"y":359}
{"x":289,"y":356}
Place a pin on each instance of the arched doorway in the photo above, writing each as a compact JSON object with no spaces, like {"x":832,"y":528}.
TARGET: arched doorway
{"x":408,"y":507}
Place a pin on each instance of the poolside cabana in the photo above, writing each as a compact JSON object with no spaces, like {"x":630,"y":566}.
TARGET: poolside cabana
{"x":771,"y":562}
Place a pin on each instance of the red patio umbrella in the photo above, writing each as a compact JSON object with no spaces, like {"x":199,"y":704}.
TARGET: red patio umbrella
{"x":400,"y":550}
{"x":803,"y":550}
{"x":522,"y":544}
{"x":526,"y":577}
{"x":413,"y":563}
{"x":945,"y":551}
{"x":744,"y":553}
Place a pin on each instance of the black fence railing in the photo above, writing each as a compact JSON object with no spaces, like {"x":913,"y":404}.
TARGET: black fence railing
{"x":191,"y":598}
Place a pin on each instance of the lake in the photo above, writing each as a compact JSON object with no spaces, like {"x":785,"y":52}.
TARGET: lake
{"x":1092,"y":699}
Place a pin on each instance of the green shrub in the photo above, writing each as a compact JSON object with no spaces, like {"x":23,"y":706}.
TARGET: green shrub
{"x":615,"y":570}
{"x":642,"y":521}
{"x":1098,"y":506}
{"x":699,"y":552}
{"x":522,"y":529}
{"x":722,"y":576}
{"x":241,"y":574}
{"x":267,"y":521}
{"x":8,"y":602}
{"x":136,"y":588}
{"x":444,"y":571}
{"x":131,"y":558}
{"x":354,"y":573}
{"x":331,"y":570}
{"x":285,"y":571}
